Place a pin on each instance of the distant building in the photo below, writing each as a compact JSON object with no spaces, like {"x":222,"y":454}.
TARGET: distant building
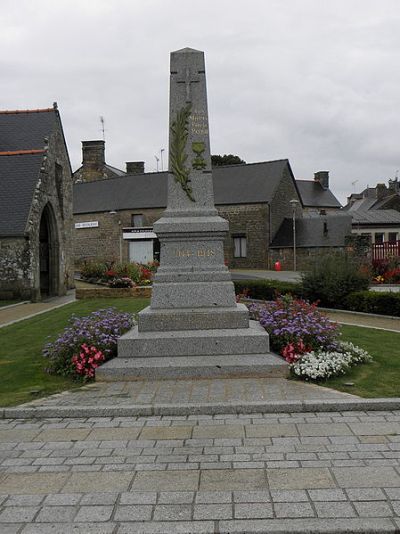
{"x":376,"y":212}
{"x":35,"y":205}
{"x":316,"y":196}
{"x":114,"y":218}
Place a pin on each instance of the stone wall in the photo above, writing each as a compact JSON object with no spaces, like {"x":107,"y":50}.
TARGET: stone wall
{"x":15,"y":268}
{"x":105,"y":242}
{"x":251,"y":221}
{"x":280,"y":205}
{"x":113,"y":292}
{"x":54,"y":188}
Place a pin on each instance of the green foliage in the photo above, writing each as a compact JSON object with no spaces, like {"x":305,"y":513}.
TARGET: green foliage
{"x":384,"y":303}
{"x":226,"y":159}
{"x":93,"y":270}
{"x":331,"y":277}
{"x":266,"y":289}
{"x":130,"y":270}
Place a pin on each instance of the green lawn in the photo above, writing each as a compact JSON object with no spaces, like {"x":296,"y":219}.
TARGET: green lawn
{"x":21,"y":362}
{"x":22,"y":365}
{"x":381,"y":378}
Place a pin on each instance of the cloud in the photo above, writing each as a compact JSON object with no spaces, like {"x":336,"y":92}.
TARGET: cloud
{"x":316,"y":82}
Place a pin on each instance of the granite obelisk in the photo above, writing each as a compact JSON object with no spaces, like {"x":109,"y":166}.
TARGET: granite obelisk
{"x":193,"y":326}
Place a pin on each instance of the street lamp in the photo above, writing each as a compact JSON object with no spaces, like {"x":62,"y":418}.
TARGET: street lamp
{"x":294,"y":203}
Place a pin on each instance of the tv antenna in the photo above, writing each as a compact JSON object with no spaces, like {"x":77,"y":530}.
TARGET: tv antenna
{"x":102,"y":126}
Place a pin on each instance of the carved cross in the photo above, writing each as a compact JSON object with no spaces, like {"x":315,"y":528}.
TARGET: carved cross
{"x":188,"y":78}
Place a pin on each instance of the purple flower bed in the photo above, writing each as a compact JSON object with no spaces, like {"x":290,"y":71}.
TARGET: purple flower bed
{"x":100,"y":329}
{"x":289,"y":320}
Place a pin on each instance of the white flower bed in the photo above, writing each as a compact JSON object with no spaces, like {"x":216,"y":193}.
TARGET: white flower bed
{"x":317,"y":365}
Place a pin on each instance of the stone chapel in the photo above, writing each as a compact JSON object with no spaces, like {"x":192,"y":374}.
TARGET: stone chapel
{"x":35,"y":205}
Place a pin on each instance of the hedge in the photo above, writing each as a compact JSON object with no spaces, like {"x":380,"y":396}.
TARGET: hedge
{"x":383,"y":303}
{"x":267,"y":289}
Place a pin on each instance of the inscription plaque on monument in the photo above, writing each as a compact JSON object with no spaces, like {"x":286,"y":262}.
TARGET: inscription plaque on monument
{"x":193,"y":326}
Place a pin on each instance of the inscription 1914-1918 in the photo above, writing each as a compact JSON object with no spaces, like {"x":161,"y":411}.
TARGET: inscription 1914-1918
{"x":200,"y":253}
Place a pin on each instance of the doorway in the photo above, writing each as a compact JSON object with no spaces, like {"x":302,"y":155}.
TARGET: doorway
{"x":48,"y":255}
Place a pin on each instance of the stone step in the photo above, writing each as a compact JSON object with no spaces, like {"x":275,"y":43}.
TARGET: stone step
{"x":229,"y":365}
{"x":150,"y":320}
{"x":186,"y":343}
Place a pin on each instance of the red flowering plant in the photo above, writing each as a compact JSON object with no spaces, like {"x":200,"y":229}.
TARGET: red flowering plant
{"x":85,"y":363}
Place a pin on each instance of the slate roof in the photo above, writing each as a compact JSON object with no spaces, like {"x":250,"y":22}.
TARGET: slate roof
{"x":22,"y":145}
{"x":233,"y":184}
{"x":375,"y":217}
{"x":313,"y":194}
{"x":310,"y":232}
{"x":25,"y":130}
{"x":18,"y":179}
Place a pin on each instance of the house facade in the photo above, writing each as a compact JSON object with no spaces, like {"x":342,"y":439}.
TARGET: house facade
{"x":114,"y":218}
{"x":36,"y":251}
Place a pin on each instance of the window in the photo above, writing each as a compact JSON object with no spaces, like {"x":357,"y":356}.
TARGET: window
{"x":392,"y":237}
{"x":239,"y":246}
{"x":379,"y":238}
{"x":137,"y":220}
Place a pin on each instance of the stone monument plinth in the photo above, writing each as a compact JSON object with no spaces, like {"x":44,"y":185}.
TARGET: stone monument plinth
{"x":193,"y":326}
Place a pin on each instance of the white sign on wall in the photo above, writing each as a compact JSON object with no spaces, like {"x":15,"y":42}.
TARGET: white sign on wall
{"x":88,"y":224}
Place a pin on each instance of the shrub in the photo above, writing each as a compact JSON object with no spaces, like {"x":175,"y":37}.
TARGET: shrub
{"x":100,"y":329}
{"x":266,"y":289}
{"x":290,"y":321}
{"x":332,"y":277}
{"x":384,"y":303}
{"x":93,"y":270}
{"x":128,"y":270}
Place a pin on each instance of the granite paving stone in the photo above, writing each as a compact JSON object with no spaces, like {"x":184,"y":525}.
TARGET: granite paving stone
{"x":58,"y":514}
{"x":87,"y":514}
{"x":335,"y":509}
{"x":18,"y":514}
{"x":172,"y":512}
{"x":253,"y":510}
{"x":166,"y":481}
{"x":373,"y":509}
{"x":364,"y":477}
{"x":293,"y":509}
{"x":300,"y":478}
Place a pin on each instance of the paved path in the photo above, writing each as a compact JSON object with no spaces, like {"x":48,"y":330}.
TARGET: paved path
{"x":15,"y":313}
{"x":286,"y":473}
{"x":228,"y":391}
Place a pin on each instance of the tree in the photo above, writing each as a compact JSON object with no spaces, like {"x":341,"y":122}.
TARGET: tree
{"x":226,"y":159}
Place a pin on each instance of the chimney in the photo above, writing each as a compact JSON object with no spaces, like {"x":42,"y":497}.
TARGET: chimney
{"x":322,"y":177}
{"x":380,"y":191}
{"x":135,"y":167}
{"x":394,"y":185}
{"x":93,"y":153}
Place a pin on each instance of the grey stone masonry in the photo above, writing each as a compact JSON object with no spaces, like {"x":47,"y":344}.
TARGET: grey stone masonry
{"x":193,"y":312}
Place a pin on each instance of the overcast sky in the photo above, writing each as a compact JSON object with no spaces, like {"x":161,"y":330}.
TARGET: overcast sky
{"x":314,"y":81}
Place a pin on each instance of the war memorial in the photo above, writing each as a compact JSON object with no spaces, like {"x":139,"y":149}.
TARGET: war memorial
{"x":193,"y":326}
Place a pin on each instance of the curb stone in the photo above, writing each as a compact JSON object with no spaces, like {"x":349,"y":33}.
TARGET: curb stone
{"x":334,"y":405}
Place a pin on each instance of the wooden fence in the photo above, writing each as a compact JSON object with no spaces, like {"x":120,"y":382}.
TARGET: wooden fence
{"x":381,"y":251}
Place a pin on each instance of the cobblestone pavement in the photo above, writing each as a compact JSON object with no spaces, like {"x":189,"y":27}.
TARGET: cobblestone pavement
{"x":288,"y":473}
{"x":228,"y":390}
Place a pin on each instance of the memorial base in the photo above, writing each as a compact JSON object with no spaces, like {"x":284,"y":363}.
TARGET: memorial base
{"x":208,"y":353}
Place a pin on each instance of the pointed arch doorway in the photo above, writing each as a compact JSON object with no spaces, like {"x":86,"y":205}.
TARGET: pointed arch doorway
{"x":49,"y":254}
